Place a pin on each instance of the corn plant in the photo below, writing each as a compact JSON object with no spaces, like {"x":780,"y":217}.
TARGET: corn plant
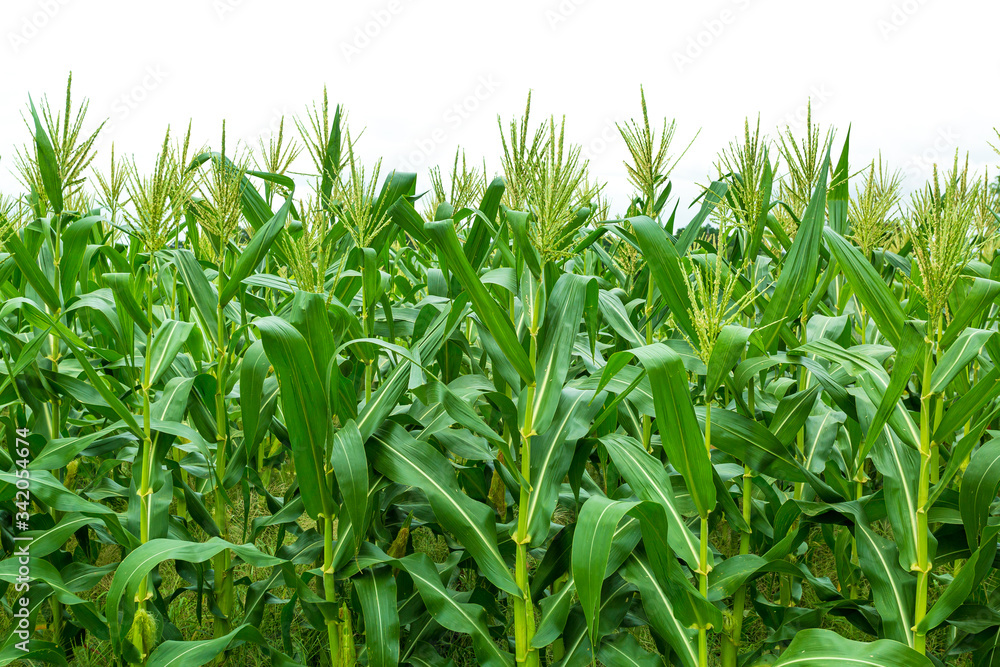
{"x":284,"y":404}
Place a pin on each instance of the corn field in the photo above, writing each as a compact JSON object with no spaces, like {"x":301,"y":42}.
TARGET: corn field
{"x":283,"y":405}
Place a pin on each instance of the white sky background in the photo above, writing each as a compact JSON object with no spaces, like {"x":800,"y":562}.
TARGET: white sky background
{"x":916,"y":78}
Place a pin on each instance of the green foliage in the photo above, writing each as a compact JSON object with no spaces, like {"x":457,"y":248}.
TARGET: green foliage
{"x":296,"y":422}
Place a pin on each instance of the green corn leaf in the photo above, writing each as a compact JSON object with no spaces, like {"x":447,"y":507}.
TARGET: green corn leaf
{"x":667,"y":269}
{"x":754,"y":365}
{"x":649,"y":480}
{"x":384,"y":400}
{"x":96,"y":381}
{"x":752,"y":443}
{"x":36,"y":649}
{"x":552,"y":455}
{"x":137,"y":565}
{"x":872,"y":378}
{"x":713,"y":196}
{"x":519,"y":225}
{"x":203,"y":652}
{"x":981,"y":295}
{"x":791,"y":415}
{"x":350,"y":467}
{"x":406,"y":218}
{"x":966,"y":406}
{"x":555,"y":613}
{"x":477,"y":241}
{"x":840,"y":192}
{"x":908,"y":357}
{"x":726,"y":354}
{"x":965,"y":348}
{"x":563,"y":311}
{"x":167,"y":342}
{"x":455,"y":615}
{"x":74,"y":239}
{"x":59,"y":452}
{"x":825,"y":648}
{"x":48,"y":165}
{"x":255,"y":251}
{"x":32,"y":273}
{"x":592,"y":542}
{"x":893,"y":588}
{"x":407,"y":461}
{"x":486,"y":307}
{"x":821,"y":432}
{"x":660,"y":610}
{"x":29,"y":353}
{"x":377,"y":593}
{"x":253,"y":372}
{"x":734,"y":572}
{"x":680,"y":434}
{"x":879,"y":302}
{"x":624,"y":651}
{"x":205,"y":299}
{"x":121,"y":285}
{"x":759,"y":223}
{"x":800,"y":266}
{"x":979,"y":489}
{"x":613,"y":312}
{"x":973,"y":571}
{"x":305,"y":408}
{"x":41,"y":570}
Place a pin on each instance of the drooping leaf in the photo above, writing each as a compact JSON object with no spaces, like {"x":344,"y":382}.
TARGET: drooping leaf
{"x":305,"y":408}
{"x":825,"y":648}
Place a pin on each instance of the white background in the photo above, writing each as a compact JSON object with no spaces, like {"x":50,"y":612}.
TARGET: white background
{"x":916,"y":79}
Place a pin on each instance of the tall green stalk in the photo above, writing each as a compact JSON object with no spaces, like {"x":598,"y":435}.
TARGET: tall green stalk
{"x":927,"y":449}
{"x":333,"y":627}
{"x":524,"y":612}
{"x":731,"y":643}
{"x":145,"y":487}
{"x":57,"y":606}
{"x":221,"y":561}
{"x":803,"y":385}
{"x":647,"y":422}
{"x":703,"y":566}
